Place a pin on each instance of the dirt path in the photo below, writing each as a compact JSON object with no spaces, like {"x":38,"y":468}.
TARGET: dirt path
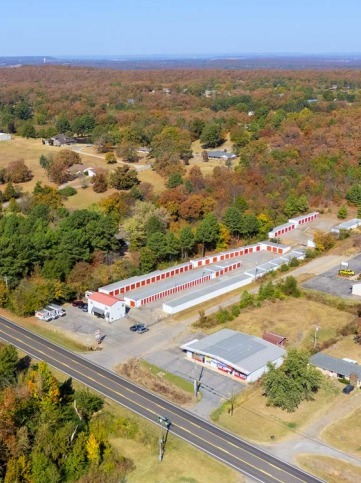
{"x":310,"y":440}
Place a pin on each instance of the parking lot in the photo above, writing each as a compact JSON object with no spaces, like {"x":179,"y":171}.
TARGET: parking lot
{"x":330,"y":282}
{"x":303,"y":233}
{"x":159,"y":346}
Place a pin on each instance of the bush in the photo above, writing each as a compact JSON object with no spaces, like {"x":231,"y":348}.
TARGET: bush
{"x":67,"y":191}
{"x":235,"y":310}
{"x":343,"y":380}
{"x":247,"y":300}
{"x":223,"y":316}
{"x":284,"y":267}
{"x":342,"y":212}
{"x":294,"y":262}
{"x":350,"y":328}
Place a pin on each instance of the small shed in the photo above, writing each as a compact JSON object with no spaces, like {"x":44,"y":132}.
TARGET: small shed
{"x":356,"y":289}
{"x":275,"y":339}
{"x":107,"y":306}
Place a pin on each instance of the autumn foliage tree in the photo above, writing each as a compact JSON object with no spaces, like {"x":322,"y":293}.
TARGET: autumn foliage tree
{"x":18,"y":172}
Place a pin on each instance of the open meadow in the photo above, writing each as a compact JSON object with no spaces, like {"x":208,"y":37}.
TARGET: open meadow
{"x":294,"y":318}
{"x":253,"y":420}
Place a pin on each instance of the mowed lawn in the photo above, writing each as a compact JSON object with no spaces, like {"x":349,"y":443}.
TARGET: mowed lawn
{"x":294,"y":318}
{"x":30,"y":151}
{"x":253,"y":420}
{"x":85,"y":197}
{"x":329,"y":469}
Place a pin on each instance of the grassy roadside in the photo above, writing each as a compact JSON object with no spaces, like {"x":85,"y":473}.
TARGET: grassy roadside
{"x":345,"y":434}
{"x":39,"y":328}
{"x":251,"y":406}
{"x":330,"y":469}
{"x":172,"y":378}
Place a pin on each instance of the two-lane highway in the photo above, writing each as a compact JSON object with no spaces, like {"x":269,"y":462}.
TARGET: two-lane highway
{"x":229,"y":449}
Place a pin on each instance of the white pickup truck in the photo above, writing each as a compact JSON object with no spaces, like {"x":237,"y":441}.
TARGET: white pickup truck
{"x":49,"y":313}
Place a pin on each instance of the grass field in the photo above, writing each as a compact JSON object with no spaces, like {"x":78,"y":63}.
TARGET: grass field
{"x":346,"y":347}
{"x":85,"y":198}
{"x":293,"y":318}
{"x":29,"y":150}
{"x":254,"y":420}
{"x":172,"y":378}
{"x":150,"y":176}
{"x":345,"y":434}
{"x":181,"y":464}
{"x":329,"y":469}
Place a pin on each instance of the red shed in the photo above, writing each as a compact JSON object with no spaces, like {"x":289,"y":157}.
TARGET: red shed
{"x":275,"y":339}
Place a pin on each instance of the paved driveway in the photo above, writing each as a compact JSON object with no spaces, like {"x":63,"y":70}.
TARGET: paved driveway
{"x":330,"y":282}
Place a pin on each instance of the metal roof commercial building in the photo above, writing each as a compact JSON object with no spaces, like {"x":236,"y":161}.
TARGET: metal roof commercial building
{"x":240,"y":355}
{"x":347,"y":225}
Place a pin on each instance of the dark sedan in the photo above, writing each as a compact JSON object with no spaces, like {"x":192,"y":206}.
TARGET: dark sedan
{"x":136,"y":327}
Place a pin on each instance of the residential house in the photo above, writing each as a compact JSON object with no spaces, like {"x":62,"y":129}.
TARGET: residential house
{"x":220,"y":155}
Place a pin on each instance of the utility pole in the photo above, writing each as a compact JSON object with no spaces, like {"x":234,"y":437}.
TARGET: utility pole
{"x":6,"y":282}
{"x":161,"y":446}
{"x":315,"y":336}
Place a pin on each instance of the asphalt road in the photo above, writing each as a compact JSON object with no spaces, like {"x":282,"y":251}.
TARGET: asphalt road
{"x":225,"y":447}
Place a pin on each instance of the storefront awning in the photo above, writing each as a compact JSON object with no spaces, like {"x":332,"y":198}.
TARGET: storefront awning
{"x":98,"y":311}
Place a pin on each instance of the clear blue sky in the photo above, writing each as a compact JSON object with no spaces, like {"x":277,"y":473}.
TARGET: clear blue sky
{"x":145,"y":27}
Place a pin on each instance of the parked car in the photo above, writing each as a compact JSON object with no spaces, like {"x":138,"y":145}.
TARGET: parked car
{"x":141,"y":330}
{"x":347,"y":389}
{"x":44,"y":315}
{"x":136,"y":327}
{"x":85,"y":308}
{"x":164,"y":421}
{"x":81,"y":305}
{"x":77,"y":303}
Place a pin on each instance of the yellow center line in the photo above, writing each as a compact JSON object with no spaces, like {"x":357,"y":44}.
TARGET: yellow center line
{"x":71,"y":367}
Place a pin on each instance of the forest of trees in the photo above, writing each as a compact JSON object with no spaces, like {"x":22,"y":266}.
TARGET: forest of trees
{"x":296,"y":134}
{"x":50,"y":432}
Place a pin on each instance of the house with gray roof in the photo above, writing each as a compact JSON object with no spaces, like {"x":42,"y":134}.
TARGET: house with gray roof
{"x":234,"y":353}
{"x":335,"y":367}
{"x":220,"y":155}
{"x":59,"y":140}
